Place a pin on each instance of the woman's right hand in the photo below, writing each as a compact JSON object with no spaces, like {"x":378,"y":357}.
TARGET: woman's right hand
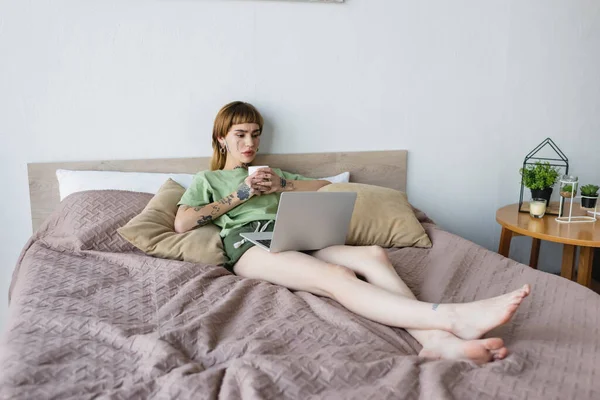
{"x":249,"y":188}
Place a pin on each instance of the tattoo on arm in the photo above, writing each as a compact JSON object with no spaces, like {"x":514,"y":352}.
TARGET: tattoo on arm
{"x":215,"y":210}
{"x":283,"y":183}
{"x":434,"y":307}
{"x":185,"y":208}
{"x":243,"y":192}
{"x":226,"y":200}
{"x":205,"y":220}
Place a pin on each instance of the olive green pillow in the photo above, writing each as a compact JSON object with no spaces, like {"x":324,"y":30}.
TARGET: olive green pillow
{"x":152,"y":231}
{"x":381,"y":217}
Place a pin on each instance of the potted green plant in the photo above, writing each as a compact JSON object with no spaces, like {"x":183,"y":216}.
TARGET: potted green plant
{"x":591,"y":196}
{"x":567,"y":191}
{"x":568,"y":186}
{"x":540,"y":178}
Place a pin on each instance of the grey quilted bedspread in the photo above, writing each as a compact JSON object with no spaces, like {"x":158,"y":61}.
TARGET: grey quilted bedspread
{"x":92,"y":317}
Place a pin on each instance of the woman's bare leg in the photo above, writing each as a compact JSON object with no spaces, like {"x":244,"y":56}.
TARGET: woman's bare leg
{"x":373,"y":263}
{"x":298,"y":271}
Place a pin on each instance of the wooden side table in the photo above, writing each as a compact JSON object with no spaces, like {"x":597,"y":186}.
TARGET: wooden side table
{"x":584,"y":235}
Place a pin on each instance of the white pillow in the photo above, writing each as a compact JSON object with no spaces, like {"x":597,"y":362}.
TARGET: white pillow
{"x":344,"y":177}
{"x":147,"y":182}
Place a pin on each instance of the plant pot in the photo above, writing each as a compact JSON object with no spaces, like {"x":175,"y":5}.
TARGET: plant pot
{"x":542,"y":194}
{"x":588,"y":203}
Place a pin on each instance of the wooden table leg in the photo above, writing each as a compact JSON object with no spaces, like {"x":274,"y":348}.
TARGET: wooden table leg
{"x":535,"y":253}
{"x":584,"y":273}
{"x":568,"y":261}
{"x":505,"y":238}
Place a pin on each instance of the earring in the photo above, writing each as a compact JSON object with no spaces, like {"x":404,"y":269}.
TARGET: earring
{"x":257,"y":149}
{"x":222,"y":150}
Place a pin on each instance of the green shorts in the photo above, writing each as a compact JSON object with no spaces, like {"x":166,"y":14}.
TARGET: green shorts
{"x":234,"y":237}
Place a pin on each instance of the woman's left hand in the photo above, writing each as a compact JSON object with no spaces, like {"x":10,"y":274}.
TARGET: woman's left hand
{"x":269,"y":181}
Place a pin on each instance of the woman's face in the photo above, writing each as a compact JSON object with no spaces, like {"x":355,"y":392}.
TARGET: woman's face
{"x":242,"y":142}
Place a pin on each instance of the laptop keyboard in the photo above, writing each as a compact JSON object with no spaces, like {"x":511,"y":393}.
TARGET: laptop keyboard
{"x":266,"y":243}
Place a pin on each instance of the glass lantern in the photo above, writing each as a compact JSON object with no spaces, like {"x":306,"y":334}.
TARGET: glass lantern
{"x":568,"y":186}
{"x":568,"y":190}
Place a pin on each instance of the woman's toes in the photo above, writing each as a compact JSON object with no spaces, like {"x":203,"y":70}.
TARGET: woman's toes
{"x":496,"y":348}
{"x":493,"y":344}
{"x":500,"y":353}
{"x":503,"y":353}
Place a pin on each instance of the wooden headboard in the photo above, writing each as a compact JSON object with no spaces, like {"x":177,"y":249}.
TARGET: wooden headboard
{"x":382,"y":168}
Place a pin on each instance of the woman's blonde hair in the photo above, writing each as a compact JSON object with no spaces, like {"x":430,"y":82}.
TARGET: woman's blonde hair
{"x":231,"y":114}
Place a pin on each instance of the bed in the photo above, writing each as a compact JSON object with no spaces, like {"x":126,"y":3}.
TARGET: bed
{"x":93,"y":317}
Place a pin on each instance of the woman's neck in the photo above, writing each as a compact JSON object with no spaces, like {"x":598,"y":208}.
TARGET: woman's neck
{"x":231,"y":165}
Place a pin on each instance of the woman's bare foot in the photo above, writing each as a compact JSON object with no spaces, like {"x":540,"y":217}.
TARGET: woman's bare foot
{"x":480,"y":351}
{"x":473,"y":320}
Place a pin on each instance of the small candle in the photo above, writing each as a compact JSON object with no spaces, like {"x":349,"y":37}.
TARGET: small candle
{"x":537,"y":208}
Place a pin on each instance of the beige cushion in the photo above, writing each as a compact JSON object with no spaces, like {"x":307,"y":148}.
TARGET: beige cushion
{"x":381,"y":217}
{"x":152,"y":231}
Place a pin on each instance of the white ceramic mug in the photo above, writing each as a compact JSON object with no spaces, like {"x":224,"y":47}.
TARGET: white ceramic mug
{"x":252,"y":169}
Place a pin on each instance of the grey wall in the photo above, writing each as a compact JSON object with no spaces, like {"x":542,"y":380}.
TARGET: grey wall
{"x":468,"y":87}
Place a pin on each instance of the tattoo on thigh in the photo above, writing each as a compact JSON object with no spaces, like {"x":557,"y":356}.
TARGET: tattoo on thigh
{"x":435,"y":306}
{"x":243,"y":192}
{"x":205,"y":220}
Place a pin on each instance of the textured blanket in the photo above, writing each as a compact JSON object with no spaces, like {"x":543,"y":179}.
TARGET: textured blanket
{"x":92,"y":317}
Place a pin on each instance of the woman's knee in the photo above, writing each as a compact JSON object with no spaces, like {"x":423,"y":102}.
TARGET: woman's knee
{"x":380,"y":266}
{"x":339,"y":271}
{"x":378,"y":253}
{"x":334,"y":277}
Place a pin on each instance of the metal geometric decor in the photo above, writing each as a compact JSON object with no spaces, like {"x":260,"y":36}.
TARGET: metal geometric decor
{"x":561,"y":161}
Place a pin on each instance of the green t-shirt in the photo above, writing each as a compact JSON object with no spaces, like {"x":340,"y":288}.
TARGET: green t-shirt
{"x":211,"y":186}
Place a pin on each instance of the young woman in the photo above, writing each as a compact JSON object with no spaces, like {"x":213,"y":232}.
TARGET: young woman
{"x":237,"y":202}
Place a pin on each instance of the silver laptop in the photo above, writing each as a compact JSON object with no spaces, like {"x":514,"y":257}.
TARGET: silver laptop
{"x":307,"y":221}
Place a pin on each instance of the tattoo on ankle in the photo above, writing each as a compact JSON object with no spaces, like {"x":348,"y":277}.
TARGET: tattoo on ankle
{"x":243,"y":192}
{"x":435,"y":306}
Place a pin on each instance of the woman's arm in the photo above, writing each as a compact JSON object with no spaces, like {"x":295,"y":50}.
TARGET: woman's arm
{"x":189,"y":218}
{"x":275,"y":183}
{"x":301,"y":186}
